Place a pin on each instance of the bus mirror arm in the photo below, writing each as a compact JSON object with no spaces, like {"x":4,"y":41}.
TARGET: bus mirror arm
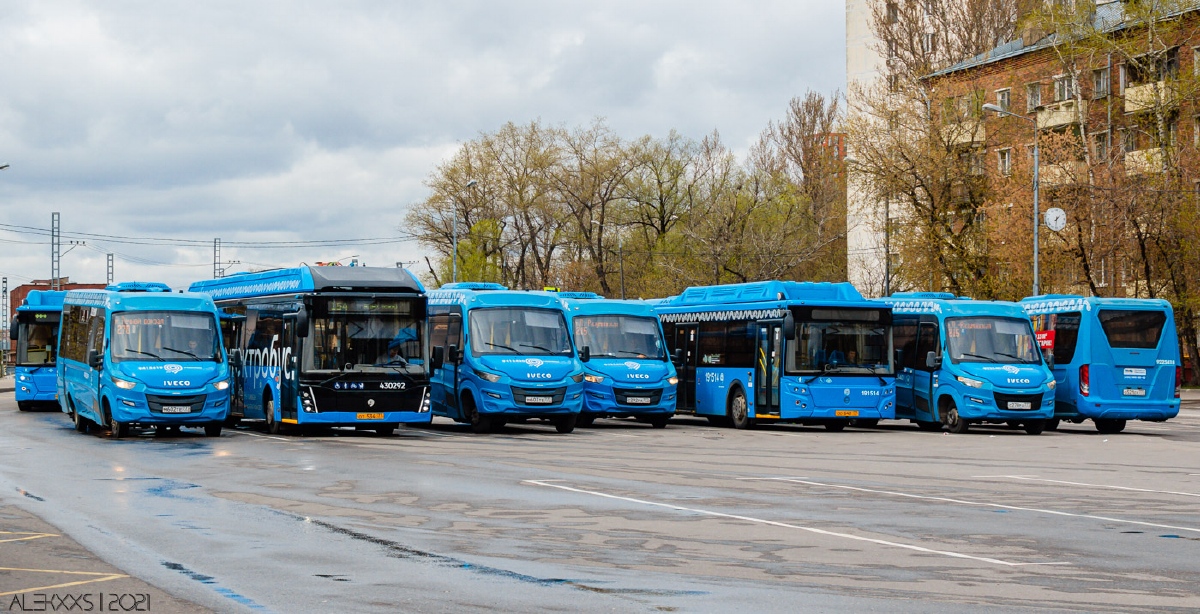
{"x":585,"y":354}
{"x":1048,"y":355}
{"x":933,"y":360}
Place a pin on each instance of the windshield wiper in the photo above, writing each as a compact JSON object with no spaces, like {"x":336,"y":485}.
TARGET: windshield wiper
{"x":497,"y":345}
{"x":146,"y":353}
{"x":983,"y":357}
{"x":1017,"y":358}
{"x":183,"y":352}
{"x":536,"y":347}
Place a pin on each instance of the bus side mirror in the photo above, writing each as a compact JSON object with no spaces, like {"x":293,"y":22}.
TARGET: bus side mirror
{"x":789,"y":326}
{"x":585,"y":354}
{"x":452,"y":354}
{"x":1048,"y":355}
{"x":437,"y":358}
{"x":12,"y":332}
{"x":899,"y":358}
{"x":933,"y":360}
{"x":95,"y":360}
{"x":677,"y":359}
{"x":235,"y":358}
{"x":302,"y":323}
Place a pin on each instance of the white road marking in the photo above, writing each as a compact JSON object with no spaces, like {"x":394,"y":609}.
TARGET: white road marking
{"x":1034,"y":478}
{"x":957,"y":555}
{"x":981,"y":504}
{"x":267,"y":436}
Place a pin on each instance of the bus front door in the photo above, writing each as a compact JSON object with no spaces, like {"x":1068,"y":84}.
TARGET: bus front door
{"x":289,"y":372}
{"x":768,"y":367}
{"x":686,"y":338}
{"x":922,"y":374}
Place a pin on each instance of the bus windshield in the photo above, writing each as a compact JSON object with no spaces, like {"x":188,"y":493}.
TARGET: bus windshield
{"x":172,"y":336}
{"x":991,"y":339}
{"x":842,"y":341}
{"x":364,"y":333}
{"x":616,"y":336}
{"x":36,"y":342}
{"x":517,"y":330}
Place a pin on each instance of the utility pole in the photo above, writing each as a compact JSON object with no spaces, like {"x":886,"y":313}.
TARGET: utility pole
{"x":216,"y":258}
{"x":5,"y":324}
{"x":110,"y":270}
{"x":55,"y":247}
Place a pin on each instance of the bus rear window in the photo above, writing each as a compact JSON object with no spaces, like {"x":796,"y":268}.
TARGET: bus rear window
{"x":1132,"y":329}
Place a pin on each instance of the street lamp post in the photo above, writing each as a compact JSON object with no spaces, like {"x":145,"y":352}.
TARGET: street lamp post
{"x":1036,"y":214}
{"x":454,"y":265}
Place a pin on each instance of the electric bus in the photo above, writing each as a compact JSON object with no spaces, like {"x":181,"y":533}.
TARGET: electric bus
{"x":964,"y":362}
{"x":507,"y":357}
{"x":326,"y":346}
{"x":781,"y":351}
{"x":137,"y":354}
{"x":1114,"y":359}
{"x":628,"y":372}
{"x":35,"y":333}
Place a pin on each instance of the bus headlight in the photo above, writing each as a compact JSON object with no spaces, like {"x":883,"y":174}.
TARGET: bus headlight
{"x":578,"y":377}
{"x":123,"y":384}
{"x":593,"y":379}
{"x":966,"y":381}
{"x":491,"y":377}
{"x":672,"y":380}
{"x":1052,"y":384}
{"x":221,"y":385}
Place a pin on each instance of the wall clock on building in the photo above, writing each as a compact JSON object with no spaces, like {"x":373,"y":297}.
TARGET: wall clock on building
{"x":1056,"y":219}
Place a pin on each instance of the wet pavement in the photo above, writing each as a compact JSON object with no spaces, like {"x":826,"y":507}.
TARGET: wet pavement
{"x":620,"y":517}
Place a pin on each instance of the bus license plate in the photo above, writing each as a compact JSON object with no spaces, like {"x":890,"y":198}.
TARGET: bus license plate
{"x":848,"y":413}
{"x":637,"y":400}
{"x":177,"y":409}
{"x":1135,"y":392}
{"x":1020,"y":405}
{"x":370,"y":416}
{"x":542,"y":400}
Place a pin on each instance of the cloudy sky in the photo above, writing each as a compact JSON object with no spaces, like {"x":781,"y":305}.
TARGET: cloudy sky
{"x":154,"y":127}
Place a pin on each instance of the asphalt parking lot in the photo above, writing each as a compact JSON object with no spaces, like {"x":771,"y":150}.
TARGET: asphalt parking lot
{"x":619,"y":517}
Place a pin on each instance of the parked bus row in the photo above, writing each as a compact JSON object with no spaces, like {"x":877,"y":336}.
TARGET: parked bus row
{"x":370,"y":348}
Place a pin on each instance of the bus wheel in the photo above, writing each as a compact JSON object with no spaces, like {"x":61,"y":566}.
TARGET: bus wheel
{"x":1035,"y":427}
{"x":566,"y":424}
{"x":24,"y":405}
{"x":81,"y":423}
{"x":1109,"y":427}
{"x":272,"y":424}
{"x":739,"y":411}
{"x":950,"y":418}
{"x":835,"y":427}
{"x":479,"y":423}
{"x":213,"y":430}
{"x":659,"y":422}
{"x":387,"y":430}
{"x":1052,"y":424}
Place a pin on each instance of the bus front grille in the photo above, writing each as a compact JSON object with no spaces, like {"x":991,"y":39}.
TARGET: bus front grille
{"x":194,"y":403}
{"x":631,"y":396}
{"x":1018,"y":402}
{"x":539,"y":396}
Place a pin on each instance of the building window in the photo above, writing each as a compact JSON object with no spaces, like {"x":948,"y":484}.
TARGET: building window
{"x":1172,"y":133}
{"x":1101,"y":143}
{"x":1196,"y":132}
{"x":929,"y":43}
{"x":1004,"y":161}
{"x":1196,"y":60}
{"x":1128,"y":140}
{"x":891,"y":49}
{"x":1033,"y":96}
{"x":893,"y":83}
{"x":893,"y":13}
{"x":1064,"y":88}
{"x":1002,"y":98}
{"x":1100,"y":83}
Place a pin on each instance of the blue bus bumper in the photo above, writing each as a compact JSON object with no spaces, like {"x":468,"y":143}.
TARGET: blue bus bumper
{"x":601,"y":400}
{"x":502,"y":401}
{"x":1123,"y":409}
{"x":981,"y":405}
{"x":36,"y":387}
{"x":133,"y":408}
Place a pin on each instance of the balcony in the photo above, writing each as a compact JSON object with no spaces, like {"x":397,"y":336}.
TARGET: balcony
{"x":964,"y":133}
{"x":1065,"y":113}
{"x":1144,"y":161}
{"x":1051,"y":175}
{"x":1141,"y":98}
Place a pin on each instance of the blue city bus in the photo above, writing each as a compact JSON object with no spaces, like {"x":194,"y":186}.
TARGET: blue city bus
{"x":326,"y":346}
{"x":781,"y":351}
{"x":963,"y":361}
{"x":35,"y":333}
{"x":137,"y":354}
{"x":507,"y":357}
{"x":1114,"y":359}
{"x":628,"y":373}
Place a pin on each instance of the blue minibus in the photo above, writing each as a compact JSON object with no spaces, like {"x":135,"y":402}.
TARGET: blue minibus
{"x":504,"y":356}
{"x":627,"y":371}
{"x":35,"y":333}
{"x":1114,"y":359}
{"x":963,"y":361}
{"x":136,"y":353}
{"x":326,"y":346}
{"x":781,"y":351}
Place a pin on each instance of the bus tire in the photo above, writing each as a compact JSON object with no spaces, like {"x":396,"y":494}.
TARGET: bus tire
{"x":479,"y":423}
{"x":950,"y":418}
{"x":269,"y":409}
{"x":1035,"y":427}
{"x":81,"y":423}
{"x":213,"y":430}
{"x":24,"y":405}
{"x":739,"y":410}
{"x":566,"y":424}
{"x":1109,"y":427}
{"x":1052,"y":424}
{"x":585,"y":421}
{"x":659,"y":422}
{"x":835,"y":427}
